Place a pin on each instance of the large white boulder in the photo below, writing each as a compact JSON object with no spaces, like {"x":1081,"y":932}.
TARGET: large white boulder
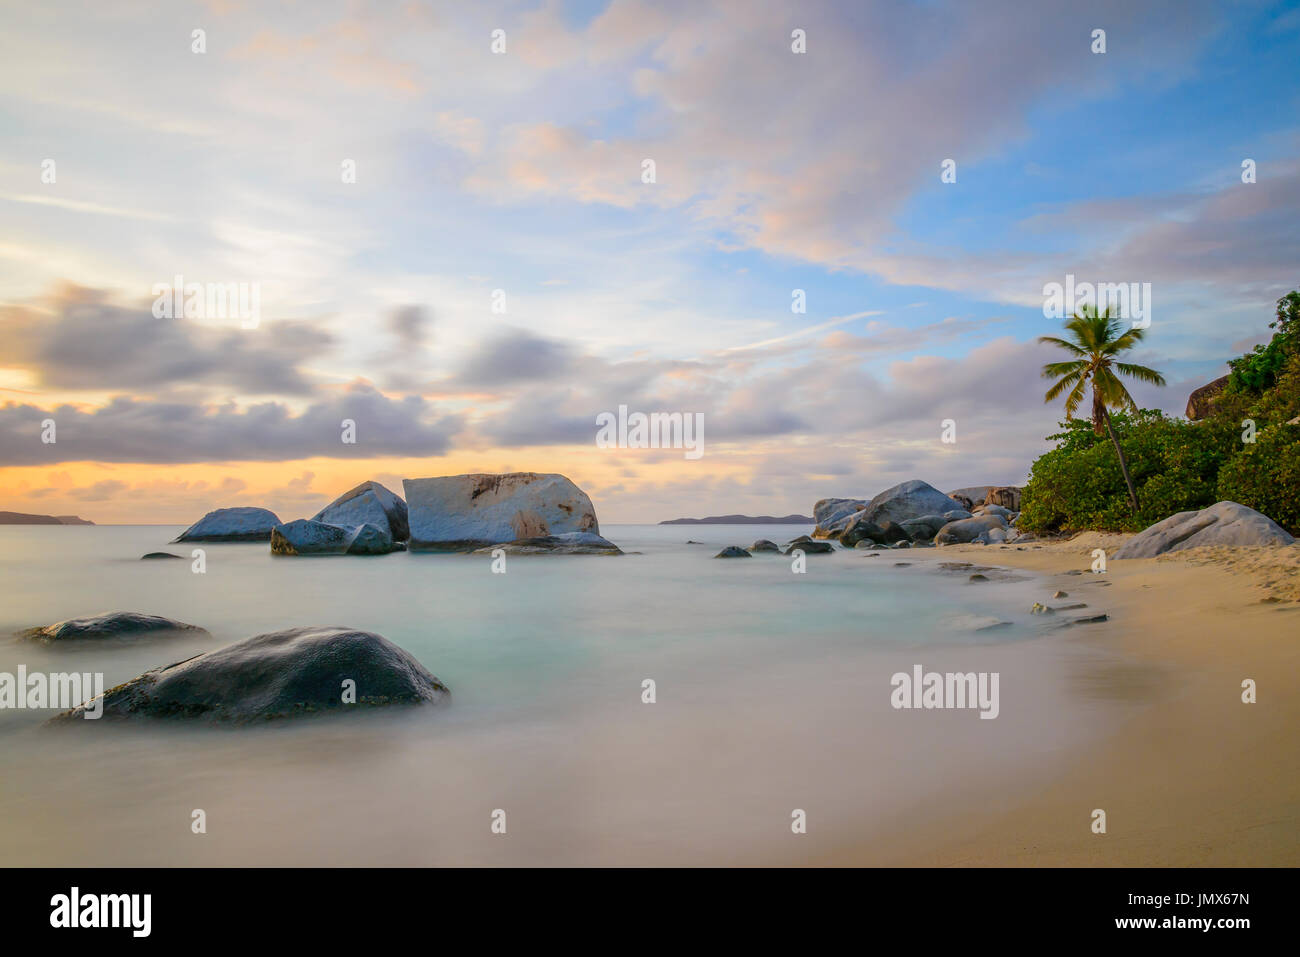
{"x":368,"y":503}
{"x":464,"y":512}
{"x":1224,"y":523}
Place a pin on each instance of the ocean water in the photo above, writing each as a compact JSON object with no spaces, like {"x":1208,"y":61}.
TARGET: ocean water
{"x":773,"y":694}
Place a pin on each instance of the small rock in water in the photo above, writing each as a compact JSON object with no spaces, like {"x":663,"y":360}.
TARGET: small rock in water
{"x":979,"y":578}
{"x":152,"y":555}
{"x":117,"y":624}
{"x":732,"y":551}
{"x":763,"y":545}
{"x":810,"y":547}
{"x":1062,"y":594}
{"x":902,"y":564}
{"x":1092,"y":619}
{"x":1040,"y":609}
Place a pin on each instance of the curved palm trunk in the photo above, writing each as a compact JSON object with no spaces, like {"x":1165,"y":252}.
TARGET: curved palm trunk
{"x":1123,"y":465}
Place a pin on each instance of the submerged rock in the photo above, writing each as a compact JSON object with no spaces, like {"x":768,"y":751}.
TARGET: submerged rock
{"x":733,"y":551}
{"x":570,"y":543}
{"x":243,"y":524}
{"x":150,"y":556}
{"x":810,"y":548}
{"x":465,"y":512}
{"x":278,"y":675}
{"x":368,"y":504}
{"x":1224,"y":523}
{"x":116,"y":624}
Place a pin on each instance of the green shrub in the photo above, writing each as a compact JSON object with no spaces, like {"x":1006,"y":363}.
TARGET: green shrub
{"x":1174,"y":465}
{"x":1265,"y":476}
{"x":1258,"y":371}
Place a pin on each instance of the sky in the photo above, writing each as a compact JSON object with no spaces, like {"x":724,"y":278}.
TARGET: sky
{"x":456,"y":248}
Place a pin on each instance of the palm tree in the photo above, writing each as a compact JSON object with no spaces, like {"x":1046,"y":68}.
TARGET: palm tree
{"x":1095,"y":340}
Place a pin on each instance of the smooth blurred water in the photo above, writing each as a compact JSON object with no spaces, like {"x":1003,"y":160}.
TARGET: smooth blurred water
{"x":773,"y":693}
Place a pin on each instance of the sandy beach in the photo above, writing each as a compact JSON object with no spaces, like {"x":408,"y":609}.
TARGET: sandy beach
{"x":1195,"y":777}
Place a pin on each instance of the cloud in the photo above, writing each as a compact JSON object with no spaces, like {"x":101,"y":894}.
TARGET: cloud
{"x":99,"y":492}
{"x":77,"y":339}
{"x":514,"y":357}
{"x":135,"y":430}
{"x":410,"y":325}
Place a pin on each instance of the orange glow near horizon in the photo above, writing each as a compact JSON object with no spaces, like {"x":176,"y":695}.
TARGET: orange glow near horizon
{"x":179,"y":494}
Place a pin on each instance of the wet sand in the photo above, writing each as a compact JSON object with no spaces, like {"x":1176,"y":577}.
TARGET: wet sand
{"x":1193,"y":776}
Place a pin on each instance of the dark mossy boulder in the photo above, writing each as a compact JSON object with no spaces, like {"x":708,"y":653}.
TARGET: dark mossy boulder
{"x":120,"y":625}
{"x":283,"y":674}
{"x":810,"y":548}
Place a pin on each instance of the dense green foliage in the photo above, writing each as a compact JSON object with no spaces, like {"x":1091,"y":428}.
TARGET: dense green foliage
{"x":1266,"y":476}
{"x":1078,"y":485}
{"x":1178,"y":465}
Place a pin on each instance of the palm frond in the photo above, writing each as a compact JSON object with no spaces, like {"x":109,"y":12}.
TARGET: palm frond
{"x":1068,"y":367}
{"x":1141,"y":373}
{"x":1061,"y":384}
{"x":1063,"y":344}
{"x":1074,"y":398}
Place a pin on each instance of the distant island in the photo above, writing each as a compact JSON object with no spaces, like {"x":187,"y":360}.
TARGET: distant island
{"x":742,"y":520}
{"x":22,"y":518}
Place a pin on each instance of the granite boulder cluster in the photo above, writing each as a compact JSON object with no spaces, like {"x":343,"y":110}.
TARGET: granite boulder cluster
{"x":524,"y":513}
{"x":915,"y":513}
